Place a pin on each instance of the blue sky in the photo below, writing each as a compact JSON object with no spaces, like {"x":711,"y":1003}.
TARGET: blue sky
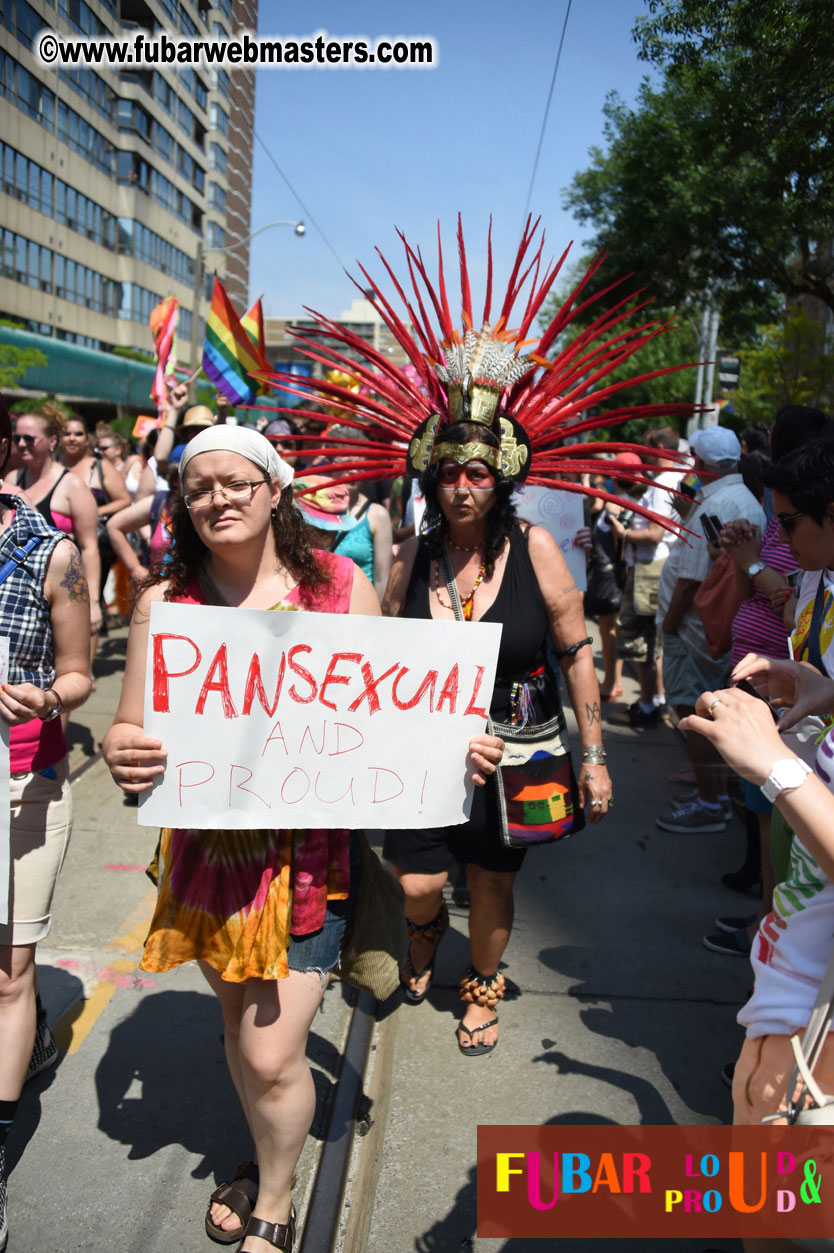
{"x":368,"y":150}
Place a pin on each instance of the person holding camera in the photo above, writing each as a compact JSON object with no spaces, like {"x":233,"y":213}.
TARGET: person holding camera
{"x":688,"y":665}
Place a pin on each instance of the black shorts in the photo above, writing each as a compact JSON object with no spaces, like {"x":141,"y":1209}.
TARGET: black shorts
{"x":433,"y":850}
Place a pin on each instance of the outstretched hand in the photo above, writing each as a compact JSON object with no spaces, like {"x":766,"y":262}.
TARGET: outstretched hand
{"x":794,"y":684}
{"x":741,"y":728}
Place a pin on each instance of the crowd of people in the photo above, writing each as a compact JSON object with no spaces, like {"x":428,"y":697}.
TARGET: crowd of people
{"x":719,"y":575}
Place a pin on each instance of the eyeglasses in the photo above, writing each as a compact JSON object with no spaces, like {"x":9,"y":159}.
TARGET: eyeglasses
{"x":234,"y":493}
{"x":28,"y":440}
{"x":475,"y":476}
{"x":786,"y":520}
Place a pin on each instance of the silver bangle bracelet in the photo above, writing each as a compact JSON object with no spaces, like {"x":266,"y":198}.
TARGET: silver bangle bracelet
{"x":594,"y":756}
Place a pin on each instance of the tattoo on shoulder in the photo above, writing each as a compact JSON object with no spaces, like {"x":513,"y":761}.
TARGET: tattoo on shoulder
{"x":593,"y":713}
{"x":74,"y":580}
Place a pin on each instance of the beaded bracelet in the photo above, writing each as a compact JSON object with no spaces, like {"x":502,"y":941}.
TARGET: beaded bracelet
{"x":573,"y":649}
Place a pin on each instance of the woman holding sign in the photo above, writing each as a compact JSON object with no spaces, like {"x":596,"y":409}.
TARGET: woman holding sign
{"x":45,"y":617}
{"x":470,"y":417}
{"x":230,"y":899}
{"x":504,"y":571}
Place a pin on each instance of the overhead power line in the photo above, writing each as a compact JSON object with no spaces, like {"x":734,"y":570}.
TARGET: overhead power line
{"x":546,"y":115}
{"x":308,"y":217}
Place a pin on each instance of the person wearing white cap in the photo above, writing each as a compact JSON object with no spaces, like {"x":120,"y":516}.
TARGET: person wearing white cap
{"x":688,"y":666}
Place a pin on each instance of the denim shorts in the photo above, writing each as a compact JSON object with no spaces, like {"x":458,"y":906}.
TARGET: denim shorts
{"x":319,"y":950}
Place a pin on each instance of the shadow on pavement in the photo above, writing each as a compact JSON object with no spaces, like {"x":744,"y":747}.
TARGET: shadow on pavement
{"x":628,"y":1022}
{"x":58,"y":988}
{"x":163,"y":1080}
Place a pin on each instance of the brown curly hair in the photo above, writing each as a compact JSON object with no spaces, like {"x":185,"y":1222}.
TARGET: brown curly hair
{"x":291,"y":534}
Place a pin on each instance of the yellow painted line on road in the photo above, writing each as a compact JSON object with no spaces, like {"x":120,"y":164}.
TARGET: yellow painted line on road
{"x":72,"y":1029}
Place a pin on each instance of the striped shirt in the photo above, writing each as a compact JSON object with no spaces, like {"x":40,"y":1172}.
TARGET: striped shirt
{"x":756,"y":628}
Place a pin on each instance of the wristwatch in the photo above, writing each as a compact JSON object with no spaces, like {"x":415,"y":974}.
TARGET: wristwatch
{"x":786,"y":774}
{"x":755,"y":569}
{"x":57,"y":711}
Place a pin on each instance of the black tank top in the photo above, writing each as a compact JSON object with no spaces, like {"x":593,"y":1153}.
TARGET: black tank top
{"x":520,"y":608}
{"x":44,"y":507}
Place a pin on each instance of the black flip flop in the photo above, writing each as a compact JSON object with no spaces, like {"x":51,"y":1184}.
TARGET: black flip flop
{"x":476,"y":1050}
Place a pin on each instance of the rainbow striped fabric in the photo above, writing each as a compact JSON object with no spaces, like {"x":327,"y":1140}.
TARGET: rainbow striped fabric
{"x":253,"y":323}
{"x":229,"y":355}
{"x":163,"y":324}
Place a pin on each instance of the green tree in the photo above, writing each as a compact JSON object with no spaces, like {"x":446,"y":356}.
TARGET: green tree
{"x":15,"y":361}
{"x":790,"y":363}
{"x":718,"y":182}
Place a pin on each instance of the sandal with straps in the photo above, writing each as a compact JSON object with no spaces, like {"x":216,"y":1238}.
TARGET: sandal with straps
{"x":434,"y":930}
{"x":484,"y":990}
{"x":279,"y":1235}
{"x":238,"y":1201}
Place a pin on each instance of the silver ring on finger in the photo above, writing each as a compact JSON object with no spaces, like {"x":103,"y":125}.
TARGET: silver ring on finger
{"x":712,"y":705}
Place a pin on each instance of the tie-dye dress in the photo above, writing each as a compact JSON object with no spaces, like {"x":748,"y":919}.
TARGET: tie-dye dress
{"x":234,"y":898}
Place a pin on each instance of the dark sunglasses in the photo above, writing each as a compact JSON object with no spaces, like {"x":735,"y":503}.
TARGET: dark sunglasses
{"x":28,"y":440}
{"x":786,"y":520}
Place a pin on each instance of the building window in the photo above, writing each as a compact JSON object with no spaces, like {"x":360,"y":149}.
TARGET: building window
{"x":216,"y":235}
{"x":220,"y":81}
{"x":218,"y":119}
{"x":217,"y":159}
{"x":217,"y":197}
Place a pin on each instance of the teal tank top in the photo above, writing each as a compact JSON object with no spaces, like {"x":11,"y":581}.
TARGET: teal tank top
{"x":358,"y":544}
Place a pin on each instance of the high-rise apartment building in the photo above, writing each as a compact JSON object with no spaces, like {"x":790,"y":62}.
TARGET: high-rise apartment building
{"x":110,"y":178}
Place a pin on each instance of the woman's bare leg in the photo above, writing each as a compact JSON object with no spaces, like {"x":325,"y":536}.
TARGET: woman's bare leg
{"x":423,"y":899}
{"x":266,"y":1026}
{"x":490,"y":923}
{"x":612,"y":665}
{"x":18,"y":1017}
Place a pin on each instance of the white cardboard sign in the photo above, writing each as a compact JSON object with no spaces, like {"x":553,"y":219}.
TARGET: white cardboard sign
{"x":5,"y":833}
{"x":279,"y":719}
{"x":561,"y":515}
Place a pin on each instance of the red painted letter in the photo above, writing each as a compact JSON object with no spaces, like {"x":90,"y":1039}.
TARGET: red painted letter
{"x":161,"y":673}
{"x":254,"y":685}
{"x":221,"y":685}
{"x":302,"y":674}
{"x":332,"y":677}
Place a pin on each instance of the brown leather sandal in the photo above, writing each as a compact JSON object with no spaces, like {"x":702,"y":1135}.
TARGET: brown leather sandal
{"x":238,"y":1201}
{"x":434,"y":930}
{"x":279,"y":1235}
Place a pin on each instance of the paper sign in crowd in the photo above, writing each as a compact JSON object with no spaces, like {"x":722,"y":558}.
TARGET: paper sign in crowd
{"x":280,"y":719}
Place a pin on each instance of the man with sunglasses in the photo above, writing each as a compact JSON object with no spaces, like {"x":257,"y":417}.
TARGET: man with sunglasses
{"x":688,"y":666}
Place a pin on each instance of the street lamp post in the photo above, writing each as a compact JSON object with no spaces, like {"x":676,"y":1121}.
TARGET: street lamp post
{"x":299,"y":228}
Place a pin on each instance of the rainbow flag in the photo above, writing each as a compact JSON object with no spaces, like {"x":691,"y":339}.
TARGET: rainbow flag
{"x":163,"y":324}
{"x":253,"y":323}
{"x":229,"y":355}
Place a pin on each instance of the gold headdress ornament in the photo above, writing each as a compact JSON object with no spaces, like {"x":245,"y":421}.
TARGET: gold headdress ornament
{"x":531,"y":405}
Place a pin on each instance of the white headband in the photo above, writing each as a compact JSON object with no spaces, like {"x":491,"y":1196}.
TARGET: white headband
{"x":240,"y":439}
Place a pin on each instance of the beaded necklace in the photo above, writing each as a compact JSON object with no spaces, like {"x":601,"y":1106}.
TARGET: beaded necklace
{"x":461,"y":548}
{"x":466,"y":602}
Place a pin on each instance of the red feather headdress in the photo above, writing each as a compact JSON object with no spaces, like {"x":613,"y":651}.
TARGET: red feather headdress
{"x":536,"y":404}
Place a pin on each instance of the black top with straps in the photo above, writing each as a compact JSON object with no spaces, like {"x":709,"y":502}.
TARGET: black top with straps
{"x":518,"y":607}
